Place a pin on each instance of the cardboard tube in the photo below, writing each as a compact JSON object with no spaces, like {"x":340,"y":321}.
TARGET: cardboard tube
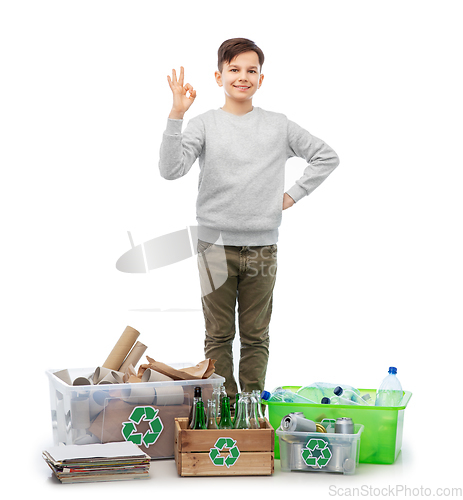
{"x":97,"y":403}
{"x":170,"y":395}
{"x":81,"y":381}
{"x":121,"y":349}
{"x":133,"y":357}
{"x":113,"y":377}
{"x":99,"y":374}
{"x":150,"y":375}
{"x":64,"y":376}
{"x":80,"y":413}
{"x":140,"y":395}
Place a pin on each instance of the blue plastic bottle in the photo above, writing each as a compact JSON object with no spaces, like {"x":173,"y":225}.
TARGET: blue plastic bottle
{"x":284,"y":396}
{"x":390,"y":391}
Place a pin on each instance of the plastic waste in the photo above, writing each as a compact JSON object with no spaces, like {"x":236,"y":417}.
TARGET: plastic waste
{"x":349,"y":394}
{"x":319,"y":390}
{"x":338,"y":400}
{"x":390,"y":391}
{"x":284,"y":396}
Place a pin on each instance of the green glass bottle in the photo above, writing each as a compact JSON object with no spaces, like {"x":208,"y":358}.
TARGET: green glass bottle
{"x":199,"y":420}
{"x":225,"y":417}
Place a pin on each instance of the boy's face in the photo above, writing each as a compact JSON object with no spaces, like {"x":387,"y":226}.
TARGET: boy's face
{"x":241,"y":77}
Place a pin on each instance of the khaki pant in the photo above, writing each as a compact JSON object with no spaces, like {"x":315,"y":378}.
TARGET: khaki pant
{"x":243,"y":275}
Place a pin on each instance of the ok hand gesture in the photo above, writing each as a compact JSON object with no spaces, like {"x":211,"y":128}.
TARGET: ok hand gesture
{"x":182,"y":102}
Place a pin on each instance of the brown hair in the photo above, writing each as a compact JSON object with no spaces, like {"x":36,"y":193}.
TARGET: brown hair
{"x":231,"y":48}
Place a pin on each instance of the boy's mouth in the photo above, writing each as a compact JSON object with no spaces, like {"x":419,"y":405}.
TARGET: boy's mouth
{"x":241,"y":87}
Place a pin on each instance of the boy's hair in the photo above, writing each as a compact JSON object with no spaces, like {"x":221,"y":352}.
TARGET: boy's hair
{"x":234,"y":46}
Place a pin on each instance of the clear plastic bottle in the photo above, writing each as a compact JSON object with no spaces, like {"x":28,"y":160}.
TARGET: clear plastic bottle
{"x":284,"y":396}
{"x":338,"y":400}
{"x":349,"y":394}
{"x":319,"y":390}
{"x":390,"y":391}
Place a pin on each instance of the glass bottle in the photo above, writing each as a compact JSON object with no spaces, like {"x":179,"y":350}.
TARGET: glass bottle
{"x":225,"y":417}
{"x":260,"y":414}
{"x":216,"y":398}
{"x":197,"y":397}
{"x":211,"y":414}
{"x":246,"y":417}
{"x":199,"y":421}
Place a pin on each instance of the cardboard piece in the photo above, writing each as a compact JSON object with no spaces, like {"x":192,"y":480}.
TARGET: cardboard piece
{"x":108,"y":426}
{"x":202,"y":370}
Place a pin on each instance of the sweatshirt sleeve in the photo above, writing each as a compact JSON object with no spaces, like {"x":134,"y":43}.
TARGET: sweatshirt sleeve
{"x":179,"y":151}
{"x":321,"y":160}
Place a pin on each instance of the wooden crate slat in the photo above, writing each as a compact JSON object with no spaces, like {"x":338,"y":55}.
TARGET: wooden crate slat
{"x":248,"y":464}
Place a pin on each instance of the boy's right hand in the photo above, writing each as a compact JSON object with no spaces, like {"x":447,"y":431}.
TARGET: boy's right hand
{"x":181,"y":102}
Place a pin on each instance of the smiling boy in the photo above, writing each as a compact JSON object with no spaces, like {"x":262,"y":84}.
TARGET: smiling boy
{"x":242,"y":152}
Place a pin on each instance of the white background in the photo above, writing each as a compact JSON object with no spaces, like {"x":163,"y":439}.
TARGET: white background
{"x":370,"y":271}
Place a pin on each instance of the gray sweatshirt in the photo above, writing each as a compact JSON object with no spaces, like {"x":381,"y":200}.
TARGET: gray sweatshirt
{"x":242,"y":167}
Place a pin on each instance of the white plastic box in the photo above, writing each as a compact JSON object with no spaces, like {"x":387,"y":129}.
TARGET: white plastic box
{"x":319,"y":452}
{"x":142,"y":412}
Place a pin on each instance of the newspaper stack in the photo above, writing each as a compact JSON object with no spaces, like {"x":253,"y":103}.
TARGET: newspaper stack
{"x":97,"y":462}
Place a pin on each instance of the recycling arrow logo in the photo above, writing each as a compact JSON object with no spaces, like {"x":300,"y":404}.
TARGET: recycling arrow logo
{"x":138,"y":414}
{"x":221,"y":444}
{"x":313,"y":460}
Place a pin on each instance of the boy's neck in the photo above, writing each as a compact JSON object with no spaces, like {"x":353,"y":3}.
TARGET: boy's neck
{"x":237,"y":108}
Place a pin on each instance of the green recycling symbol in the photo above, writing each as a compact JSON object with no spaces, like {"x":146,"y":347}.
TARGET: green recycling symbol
{"x":138,"y":414}
{"x":233,"y":452}
{"x":314,"y":461}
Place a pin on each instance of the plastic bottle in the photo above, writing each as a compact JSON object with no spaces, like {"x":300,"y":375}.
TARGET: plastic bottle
{"x":338,"y":400}
{"x":390,"y":391}
{"x":319,"y":390}
{"x":281,"y":395}
{"x":349,"y":394}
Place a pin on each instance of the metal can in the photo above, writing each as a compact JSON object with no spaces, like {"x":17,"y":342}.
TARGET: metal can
{"x":344,"y":425}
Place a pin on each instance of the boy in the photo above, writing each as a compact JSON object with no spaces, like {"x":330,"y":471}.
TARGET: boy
{"x":242,"y":152}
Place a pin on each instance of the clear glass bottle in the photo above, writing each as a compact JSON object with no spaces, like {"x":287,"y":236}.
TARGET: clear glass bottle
{"x":216,"y":398}
{"x":260,"y":414}
{"x":211,"y":414}
{"x":246,"y":418}
{"x":225,"y":417}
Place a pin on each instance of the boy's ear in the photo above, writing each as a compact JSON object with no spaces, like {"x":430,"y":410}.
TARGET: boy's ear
{"x":218,"y":78}
{"x":261,"y":79}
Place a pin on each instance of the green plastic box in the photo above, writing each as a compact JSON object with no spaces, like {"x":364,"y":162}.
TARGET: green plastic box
{"x":381,"y":440}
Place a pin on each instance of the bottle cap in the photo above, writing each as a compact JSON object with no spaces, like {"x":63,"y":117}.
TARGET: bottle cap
{"x":338,"y":390}
{"x":197,"y":392}
{"x":325,"y":401}
{"x":393,"y":370}
{"x":265,"y":395}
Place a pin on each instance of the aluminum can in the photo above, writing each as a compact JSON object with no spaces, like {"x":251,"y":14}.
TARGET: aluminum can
{"x":344,"y":425}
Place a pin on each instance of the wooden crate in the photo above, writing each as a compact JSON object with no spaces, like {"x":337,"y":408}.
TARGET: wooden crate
{"x":224,"y":452}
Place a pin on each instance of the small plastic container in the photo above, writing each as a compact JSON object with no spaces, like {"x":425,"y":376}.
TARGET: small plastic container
{"x":143,"y":413}
{"x":382,"y":436}
{"x":319,"y":452}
